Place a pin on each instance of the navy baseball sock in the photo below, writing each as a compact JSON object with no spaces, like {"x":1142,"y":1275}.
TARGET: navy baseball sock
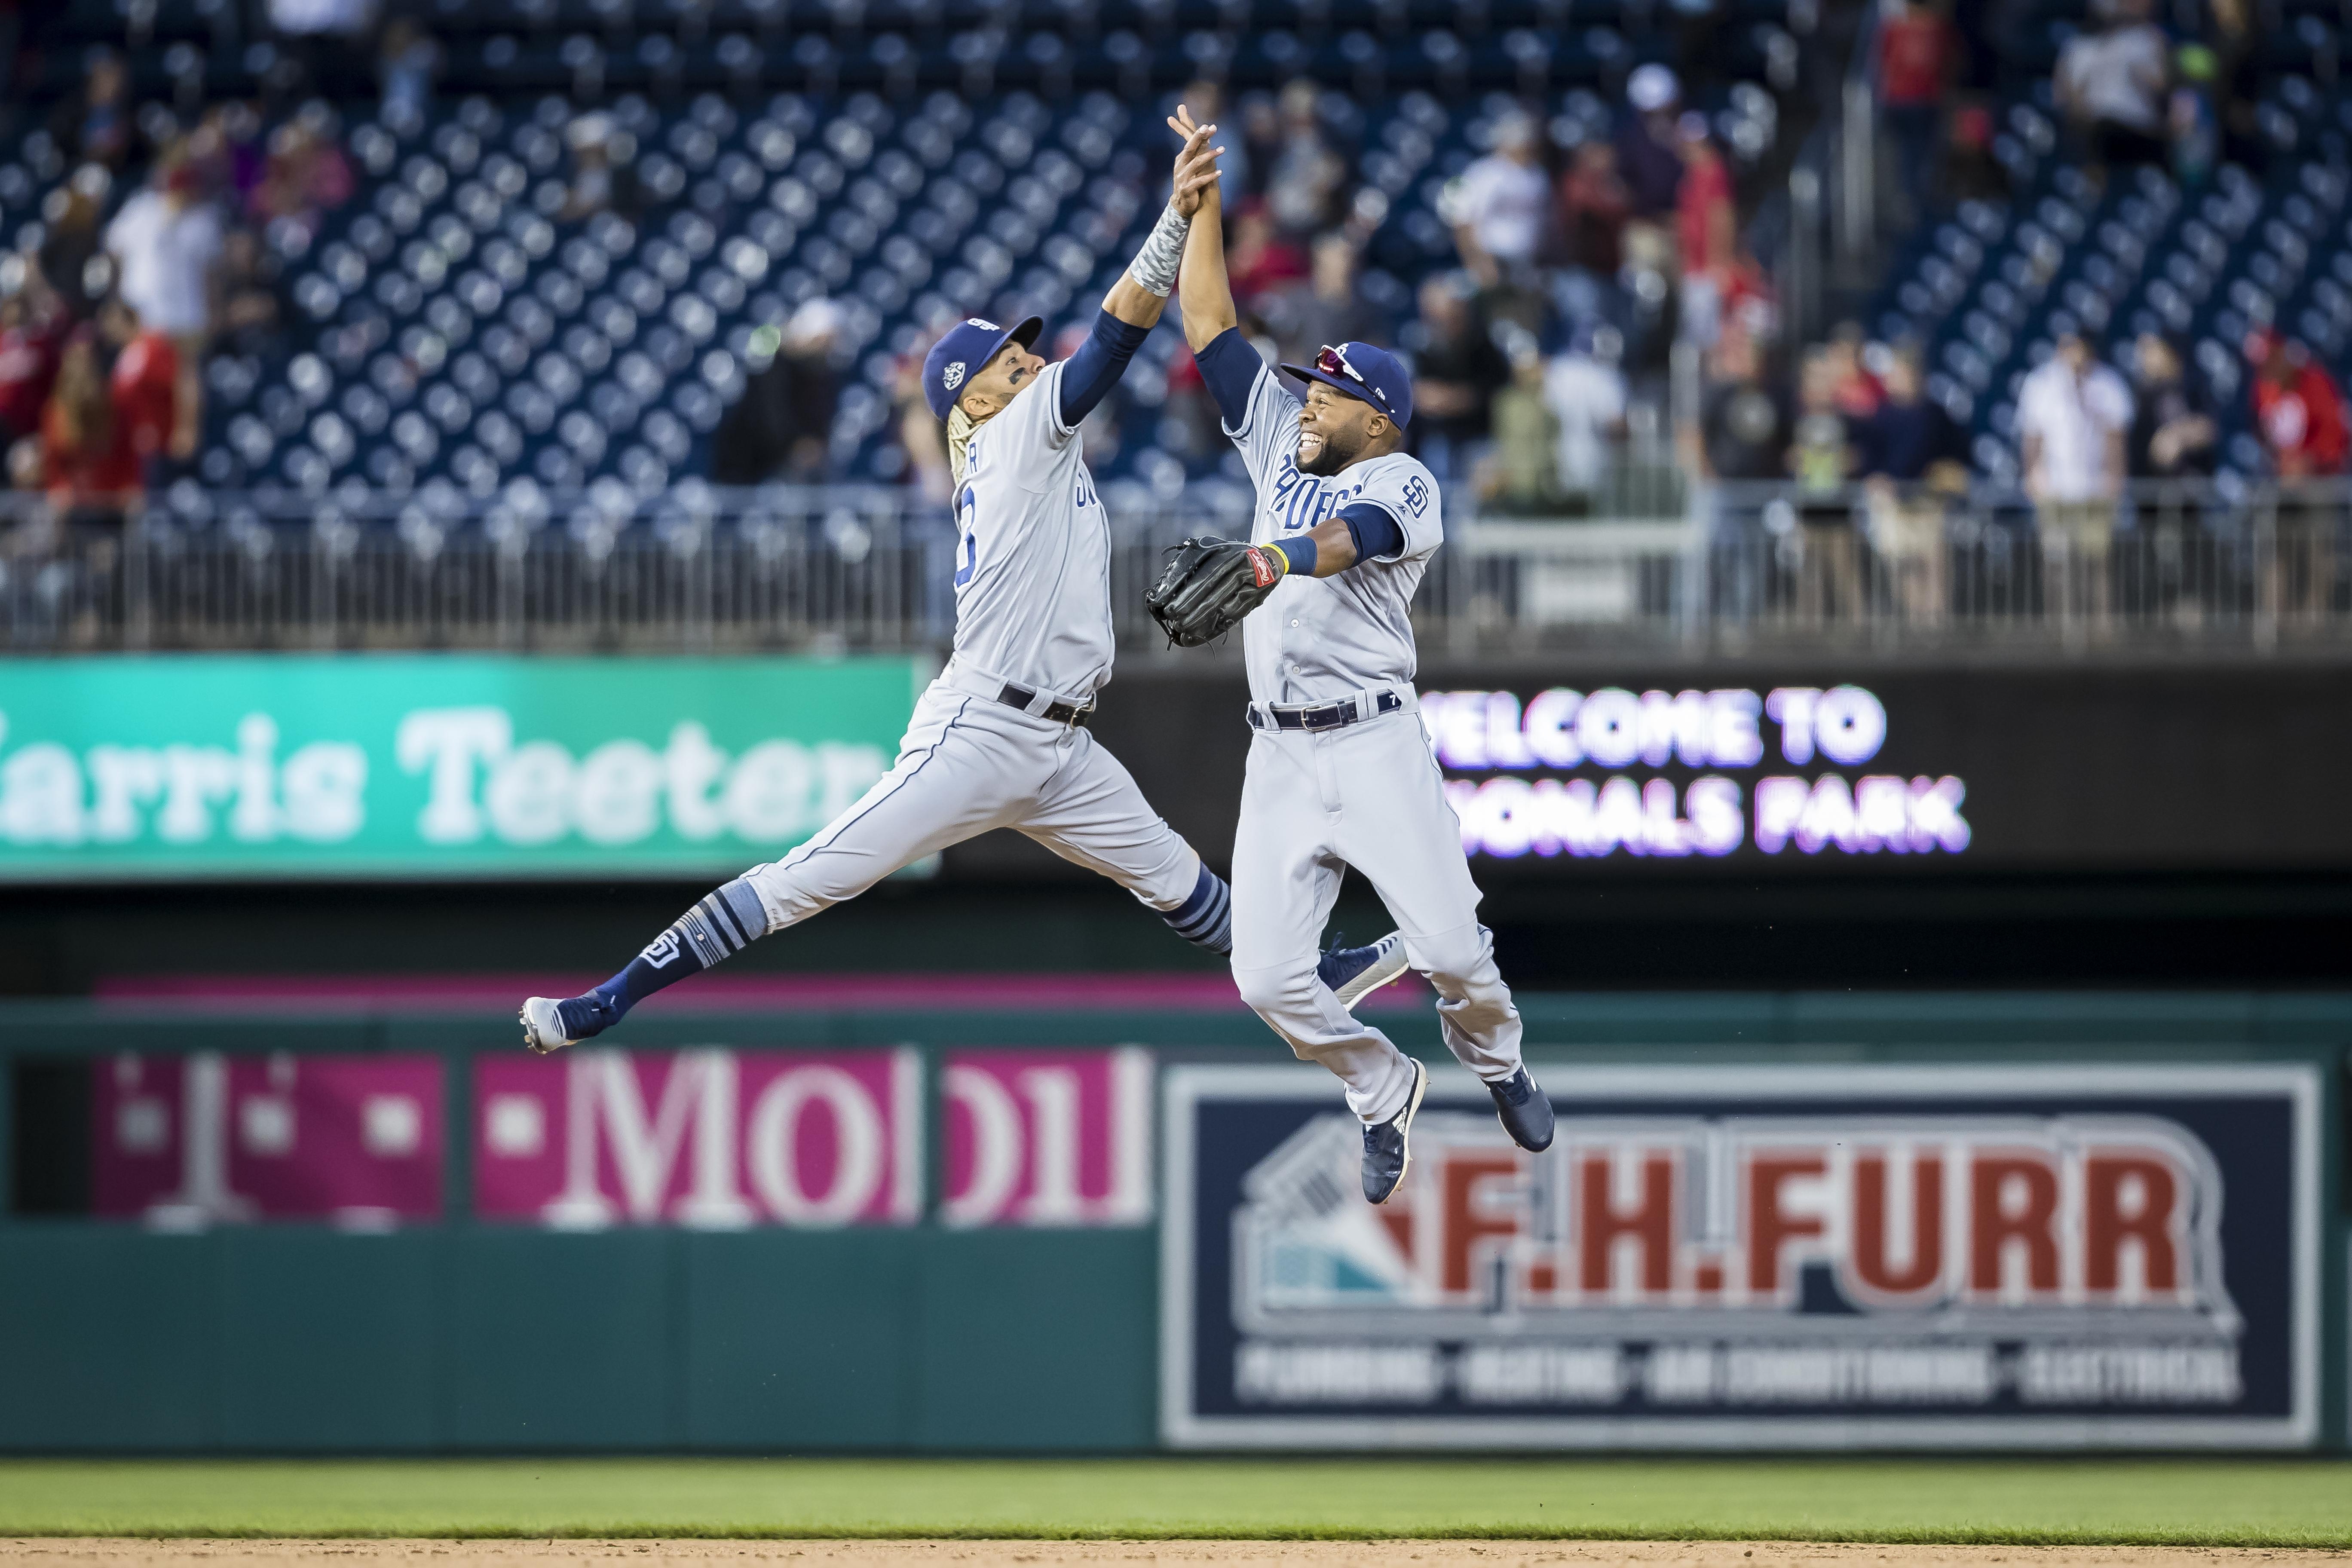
{"x":721,"y":924}
{"x":1206,"y":918}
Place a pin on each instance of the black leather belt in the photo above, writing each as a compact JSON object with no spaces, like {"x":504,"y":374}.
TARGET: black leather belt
{"x":1328,"y":716}
{"x":1069,"y":713}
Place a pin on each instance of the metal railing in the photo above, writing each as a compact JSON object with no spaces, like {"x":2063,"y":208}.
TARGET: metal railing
{"x":2210,"y":565}
{"x":696,"y":568}
{"x":2198,"y":567}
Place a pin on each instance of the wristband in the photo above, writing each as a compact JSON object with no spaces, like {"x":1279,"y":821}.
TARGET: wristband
{"x":1154,"y":267}
{"x":1298,"y":553}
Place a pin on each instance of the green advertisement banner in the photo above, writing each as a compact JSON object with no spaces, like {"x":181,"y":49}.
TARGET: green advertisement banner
{"x":357,"y":765}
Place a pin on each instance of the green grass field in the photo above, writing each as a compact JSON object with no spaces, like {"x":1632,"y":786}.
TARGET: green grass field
{"x":2173,"y":1500}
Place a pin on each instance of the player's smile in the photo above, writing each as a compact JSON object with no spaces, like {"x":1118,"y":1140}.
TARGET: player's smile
{"x":1331,"y":430}
{"x":1310,"y":433}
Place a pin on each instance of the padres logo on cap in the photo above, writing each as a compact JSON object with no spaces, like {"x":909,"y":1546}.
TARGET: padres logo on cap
{"x":953,"y":377}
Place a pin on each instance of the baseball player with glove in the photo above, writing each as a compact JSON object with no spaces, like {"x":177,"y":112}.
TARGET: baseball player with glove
{"x":1339,"y":774}
{"x":1000,"y":738}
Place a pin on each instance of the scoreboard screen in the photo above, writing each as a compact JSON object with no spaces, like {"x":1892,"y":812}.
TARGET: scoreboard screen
{"x":1574,"y":768}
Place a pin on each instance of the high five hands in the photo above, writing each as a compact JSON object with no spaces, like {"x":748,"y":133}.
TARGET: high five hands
{"x":1196,"y":161}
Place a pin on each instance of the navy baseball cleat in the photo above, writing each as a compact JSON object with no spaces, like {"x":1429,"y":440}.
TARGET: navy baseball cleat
{"x":549,"y":1025}
{"x":1387,"y":1145}
{"x":1355,"y":972}
{"x":1525,"y":1110}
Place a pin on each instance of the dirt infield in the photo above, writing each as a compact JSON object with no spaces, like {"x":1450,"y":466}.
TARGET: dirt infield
{"x":86,"y":1552}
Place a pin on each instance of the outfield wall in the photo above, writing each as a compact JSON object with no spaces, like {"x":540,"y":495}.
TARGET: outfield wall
{"x":882,"y":1275}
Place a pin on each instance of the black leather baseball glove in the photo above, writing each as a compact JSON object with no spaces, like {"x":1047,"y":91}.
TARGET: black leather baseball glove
{"x":1209,"y":585}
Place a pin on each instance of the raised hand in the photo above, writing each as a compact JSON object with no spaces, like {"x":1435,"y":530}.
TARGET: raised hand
{"x":1196,"y":161}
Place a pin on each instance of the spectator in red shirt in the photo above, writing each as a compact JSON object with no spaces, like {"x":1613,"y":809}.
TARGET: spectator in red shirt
{"x":1259,"y":257}
{"x":1968,"y":170}
{"x":1747,"y":303}
{"x":1703,"y":204}
{"x":31,"y":333}
{"x":2297,"y":408}
{"x":1859,"y":393}
{"x":85,"y":452}
{"x":2300,"y":414}
{"x":147,"y":390}
{"x":1914,"y":68}
{"x":1594,"y":204}
{"x":1705,"y":231}
{"x":307,"y":174}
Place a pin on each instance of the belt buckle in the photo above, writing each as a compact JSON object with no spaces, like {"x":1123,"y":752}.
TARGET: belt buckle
{"x":1330,"y":716}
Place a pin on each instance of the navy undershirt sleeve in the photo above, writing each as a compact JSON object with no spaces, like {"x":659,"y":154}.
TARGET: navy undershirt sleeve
{"x":1229,"y":366}
{"x":1375,"y":531}
{"x":1090,"y":373}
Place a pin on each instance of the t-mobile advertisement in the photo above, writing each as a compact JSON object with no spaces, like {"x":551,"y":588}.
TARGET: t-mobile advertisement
{"x":718,"y":1138}
{"x":184,"y":1142}
{"x":710,"y":1138}
{"x":1051,"y":1138}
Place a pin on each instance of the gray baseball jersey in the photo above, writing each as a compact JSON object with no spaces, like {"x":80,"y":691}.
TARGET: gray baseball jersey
{"x":1032,"y":606}
{"x":1032,"y":552}
{"x":1368,"y":796}
{"x":1318,"y":639}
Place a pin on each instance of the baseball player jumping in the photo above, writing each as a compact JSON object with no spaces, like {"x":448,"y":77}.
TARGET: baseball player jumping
{"x":1000,"y":738}
{"x":1339,"y":774}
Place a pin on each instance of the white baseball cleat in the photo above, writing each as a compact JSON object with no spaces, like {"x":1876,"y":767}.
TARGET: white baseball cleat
{"x":1355,"y":972}
{"x":542,"y":1026}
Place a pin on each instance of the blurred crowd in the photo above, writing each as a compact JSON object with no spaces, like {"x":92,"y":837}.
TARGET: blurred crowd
{"x":160,"y":249}
{"x":1588,"y":253}
{"x":1585,"y":250}
{"x":1598,"y":312}
{"x":2130,"y":94}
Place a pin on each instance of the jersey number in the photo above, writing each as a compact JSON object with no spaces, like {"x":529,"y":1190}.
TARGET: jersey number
{"x":968,"y":547}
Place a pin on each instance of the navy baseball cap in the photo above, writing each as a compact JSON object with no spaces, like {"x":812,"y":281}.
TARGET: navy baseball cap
{"x":1373,"y":375}
{"x":958,"y":356}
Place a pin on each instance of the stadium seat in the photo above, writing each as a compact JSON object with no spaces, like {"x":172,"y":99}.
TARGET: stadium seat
{"x":458,"y":328}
